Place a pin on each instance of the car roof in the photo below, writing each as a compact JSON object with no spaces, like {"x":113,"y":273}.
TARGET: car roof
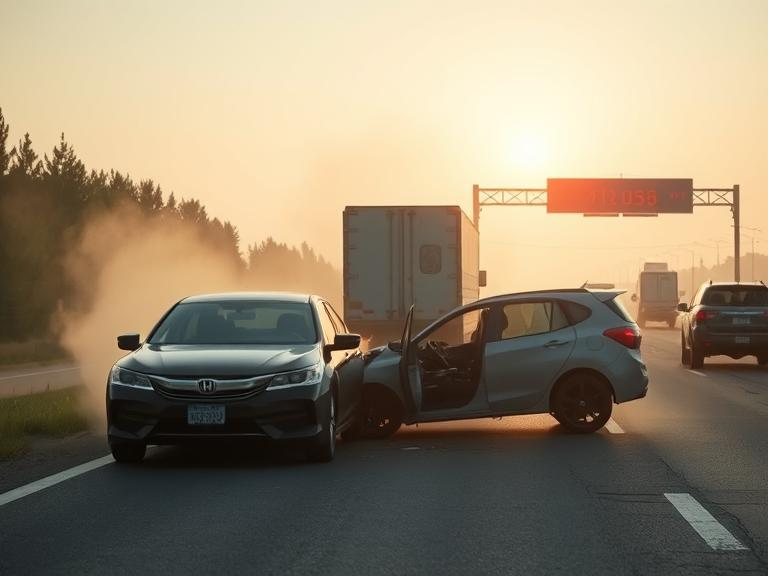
{"x":496,"y":298}
{"x":715,"y":284}
{"x":255,"y":296}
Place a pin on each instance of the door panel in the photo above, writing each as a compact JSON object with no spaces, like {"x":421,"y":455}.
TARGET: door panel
{"x":531,"y":345}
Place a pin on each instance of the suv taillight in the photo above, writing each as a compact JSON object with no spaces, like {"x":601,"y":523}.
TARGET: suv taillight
{"x":625,"y":335}
{"x":704,"y":315}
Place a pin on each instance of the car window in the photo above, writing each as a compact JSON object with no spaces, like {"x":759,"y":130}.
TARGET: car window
{"x":735,"y":296}
{"x":575,"y":312}
{"x":462,"y":329}
{"x":237,"y":322}
{"x":326,"y":324}
{"x":529,"y":318}
{"x":338,"y":323}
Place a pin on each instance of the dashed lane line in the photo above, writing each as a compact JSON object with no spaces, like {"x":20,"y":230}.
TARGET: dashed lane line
{"x":52,"y":480}
{"x":613,"y":427}
{"x":697,"y":373}
{"x":715,"y":534}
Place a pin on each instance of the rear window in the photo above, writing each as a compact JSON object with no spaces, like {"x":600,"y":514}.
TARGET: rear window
{"x":617,"y":308}
{"x":575,"y":312}
{"x":735,"y":296}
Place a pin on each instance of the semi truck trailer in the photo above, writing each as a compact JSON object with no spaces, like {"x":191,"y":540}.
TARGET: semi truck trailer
{"x":398,"y":256}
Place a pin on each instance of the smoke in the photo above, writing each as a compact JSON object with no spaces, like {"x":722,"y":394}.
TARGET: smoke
{"x":128,"y":269}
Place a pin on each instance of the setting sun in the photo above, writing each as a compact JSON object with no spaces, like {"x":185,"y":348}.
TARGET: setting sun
{"x":530,"y":150}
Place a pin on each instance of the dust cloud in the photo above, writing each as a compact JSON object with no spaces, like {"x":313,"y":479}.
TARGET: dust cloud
{"x":129,"y":269}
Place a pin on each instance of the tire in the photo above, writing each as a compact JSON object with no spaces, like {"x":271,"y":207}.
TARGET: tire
{"x":685,"y":354}
{"x":382,"y":414}
{"x":323,"y":448}
{"x":128,"y":453}
{"x":762,"y":359}
{"x":582,"y":403}
{"x":697,"y":357}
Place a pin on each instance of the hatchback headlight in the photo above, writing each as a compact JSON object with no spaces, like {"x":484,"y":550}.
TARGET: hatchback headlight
{"x":303,"y":377}
{"x":128,"y":378}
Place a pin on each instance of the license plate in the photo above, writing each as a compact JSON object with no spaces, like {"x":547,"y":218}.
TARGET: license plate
{"x":205,"y":414}
{"x":742,"y":339}
{"x":741,"y":321}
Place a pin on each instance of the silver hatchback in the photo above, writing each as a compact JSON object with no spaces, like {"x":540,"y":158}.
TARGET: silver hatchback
{"x":570,"y":353}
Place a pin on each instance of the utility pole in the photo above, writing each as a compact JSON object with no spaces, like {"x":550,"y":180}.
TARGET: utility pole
{"x":736,"y":234}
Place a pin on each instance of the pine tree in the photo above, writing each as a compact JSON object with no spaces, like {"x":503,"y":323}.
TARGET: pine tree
{"x":5,"y":156}
{"x":24,"y":161}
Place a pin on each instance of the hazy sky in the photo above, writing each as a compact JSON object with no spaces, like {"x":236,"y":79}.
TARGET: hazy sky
{"x":277,"y":114}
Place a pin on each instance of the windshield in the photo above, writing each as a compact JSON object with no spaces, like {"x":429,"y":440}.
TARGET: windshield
{"x":237,"y":322}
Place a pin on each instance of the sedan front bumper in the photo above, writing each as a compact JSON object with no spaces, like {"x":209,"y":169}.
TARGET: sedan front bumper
{"x":144,"y":415}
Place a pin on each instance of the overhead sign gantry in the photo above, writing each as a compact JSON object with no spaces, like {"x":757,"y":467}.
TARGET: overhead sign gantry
{"x":614,"y":196}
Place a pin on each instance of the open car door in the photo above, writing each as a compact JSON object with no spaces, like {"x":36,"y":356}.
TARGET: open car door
{"x":409,"y":368}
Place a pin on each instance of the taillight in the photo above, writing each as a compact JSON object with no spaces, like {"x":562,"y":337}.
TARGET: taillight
{"x":704,"y":315}
{"x":625,"y":335}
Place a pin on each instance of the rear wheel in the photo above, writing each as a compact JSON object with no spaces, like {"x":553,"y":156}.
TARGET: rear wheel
{"x":582,"y":403}
{"x":685,"y":354}
{"x":323,"y":448}
{"x":382,"y":414}
{"x":126,"y":453}
{"x":697,"y":356}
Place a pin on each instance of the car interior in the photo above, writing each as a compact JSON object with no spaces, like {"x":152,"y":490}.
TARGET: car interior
{"x":450,"y":359}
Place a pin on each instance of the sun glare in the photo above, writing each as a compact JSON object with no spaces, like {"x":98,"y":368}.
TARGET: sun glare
{"x":530,"y":151}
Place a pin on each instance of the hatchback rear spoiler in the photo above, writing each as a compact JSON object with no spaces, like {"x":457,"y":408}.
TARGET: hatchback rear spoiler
{"x":606,"y":295}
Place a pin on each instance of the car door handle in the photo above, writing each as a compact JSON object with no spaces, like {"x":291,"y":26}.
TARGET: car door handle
{"x":555,"y":343}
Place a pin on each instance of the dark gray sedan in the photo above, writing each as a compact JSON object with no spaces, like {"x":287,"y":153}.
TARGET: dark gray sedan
{"x":239,"y":365}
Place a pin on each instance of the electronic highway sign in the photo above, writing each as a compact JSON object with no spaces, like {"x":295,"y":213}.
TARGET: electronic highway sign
{"x":620,"y":195}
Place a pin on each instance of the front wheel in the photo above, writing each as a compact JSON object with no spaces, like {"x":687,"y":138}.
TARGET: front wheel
{"x":382,"y":415}
{"x":125,"y":453}
{"x":323,"y":448}
{"x":582,"y":403}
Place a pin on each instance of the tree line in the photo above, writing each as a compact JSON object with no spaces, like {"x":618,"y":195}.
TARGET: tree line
{"x":45,"y":204}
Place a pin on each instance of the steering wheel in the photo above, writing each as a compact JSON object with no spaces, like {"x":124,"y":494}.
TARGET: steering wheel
{"x":438,"y":351}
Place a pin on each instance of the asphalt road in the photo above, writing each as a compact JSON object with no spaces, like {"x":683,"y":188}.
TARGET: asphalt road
{"x":32,"y":379}
{"x":516,"y":496}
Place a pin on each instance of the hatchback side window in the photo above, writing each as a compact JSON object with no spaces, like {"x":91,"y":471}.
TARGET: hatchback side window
{"x":529,"y":318}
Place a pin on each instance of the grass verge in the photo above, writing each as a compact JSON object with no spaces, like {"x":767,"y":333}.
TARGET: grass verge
{"x":55,"y":413}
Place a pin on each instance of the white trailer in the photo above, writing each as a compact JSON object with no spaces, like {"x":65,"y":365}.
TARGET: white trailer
{"x":395,"y":256}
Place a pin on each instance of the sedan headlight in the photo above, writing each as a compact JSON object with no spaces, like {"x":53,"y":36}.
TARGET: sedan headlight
{"x":128,"y":378}
{"x":303,"y":377}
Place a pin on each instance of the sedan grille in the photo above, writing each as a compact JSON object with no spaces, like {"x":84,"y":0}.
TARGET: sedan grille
{"x":200,"y":388}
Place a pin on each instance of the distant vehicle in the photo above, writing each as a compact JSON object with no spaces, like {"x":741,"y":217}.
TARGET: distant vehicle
{"x":725,"y":318}
{"x":656,"y":295}
{"x":395,"y":256}
{"x":570,"y":353}
{"x":239,"y":365}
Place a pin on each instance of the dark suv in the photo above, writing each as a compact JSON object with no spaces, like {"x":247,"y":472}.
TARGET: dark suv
{"x":729,"y":318}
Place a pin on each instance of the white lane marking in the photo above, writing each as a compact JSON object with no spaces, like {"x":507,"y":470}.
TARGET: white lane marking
{"x":713,"y":533}
{"x":26,"y":374}
{"x":697,"y":372}
{"x":52,"y":480}
{"x":613,"y":427}
{"x":411,"y":448}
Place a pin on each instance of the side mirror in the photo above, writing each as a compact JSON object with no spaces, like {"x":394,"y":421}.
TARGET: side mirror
{"x":682,"y":307}
{"x":128,"y":342}
{"x":344,"y":342}
{"x":634,"y":298}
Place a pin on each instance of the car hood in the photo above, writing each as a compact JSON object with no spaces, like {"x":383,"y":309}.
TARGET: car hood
{"x":219,"y":360}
